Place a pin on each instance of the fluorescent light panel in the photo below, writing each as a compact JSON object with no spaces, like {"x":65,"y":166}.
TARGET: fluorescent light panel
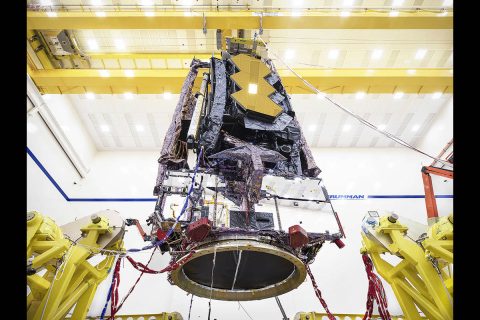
{"x":436,"y":95}
{"x":377,"y":54}
{"x":51,"y":14}
{"x":420,"y":54}
{"x":333,"y":54}
{"x":360,"y":95}
{"x":120,"y":44}
{"x":104,"y":73}
{"x":92,"y":44}
{"x":90,"y":96}
{"x":128,"y":95}
{"x":394,"y":13}
{"x":289,"y":54}
{"x":398,"y":95}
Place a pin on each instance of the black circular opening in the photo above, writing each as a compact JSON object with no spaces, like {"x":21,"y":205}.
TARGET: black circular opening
{"x":256,"y":270}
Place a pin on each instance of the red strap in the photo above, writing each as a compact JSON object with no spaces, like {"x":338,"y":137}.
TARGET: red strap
{"x":172,"y":266}
{"x":319,"y":294}
{"x":114,"y":289}
{"x":376,"y":292}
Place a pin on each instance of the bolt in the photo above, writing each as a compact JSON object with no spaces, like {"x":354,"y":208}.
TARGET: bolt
{"x":95,"y":218}
{"x":30,"y":215}
{"x":371,"y":221}
{"x":450,"y":218}
{"x":393,"y":218}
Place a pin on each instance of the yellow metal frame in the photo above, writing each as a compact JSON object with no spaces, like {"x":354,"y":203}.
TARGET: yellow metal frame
{"x":78,"y":81}
{"x":365,"y":19}
{"x":152,"y":316}
{"x":339,"y":316}
{"x":75,"y":280}
{"x":416,"y":281}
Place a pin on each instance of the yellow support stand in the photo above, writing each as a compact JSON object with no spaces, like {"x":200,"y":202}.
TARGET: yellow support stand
{"x":419,"y":281}
{"x":342,"y":316}
{"x":69,"y":279}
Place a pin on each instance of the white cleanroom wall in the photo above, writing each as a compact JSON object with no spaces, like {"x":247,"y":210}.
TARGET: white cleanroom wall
{"x":130,"y":177}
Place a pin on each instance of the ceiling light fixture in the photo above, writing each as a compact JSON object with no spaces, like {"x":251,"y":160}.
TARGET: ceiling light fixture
{"x":289,"y":54}
{"x":149,"y":13}
{"x":360,"y":95}
{"x":397,"y":3}
{"x":393,"y":13}
{"x":146,"y":3}
{"x":296,"y":13}
{"x":167,"y":95}
{"x":92,"y":44}
{"x":51,"y":14}
{"x":415,"y":128}
{"x":104,"y":73}
{"x":348,"y":3}
{"x":96,"y":3}
{"x":398,"y":95}
{"x":90,"y":96}
{"x":345,"y":14}
{"x":420,"y":54}
{"x":129,"y":73}
{"x":100,"y":14}
{"x":411,"y":71}
{"x":120,"y":44}
{"x":333,"y":54}
{"x":447,"y":3}
{"x":321,"y":95}
{"x":377,"y":54}
{"x":128,"y":95}
{"x":436,"y":95}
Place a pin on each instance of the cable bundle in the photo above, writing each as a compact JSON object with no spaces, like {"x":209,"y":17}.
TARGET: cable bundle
{"x":375,"y":292}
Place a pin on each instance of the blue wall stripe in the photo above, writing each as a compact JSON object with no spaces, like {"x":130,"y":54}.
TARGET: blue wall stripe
{"x":112,"y":199}
{"x":408,"y":196}
{"x":30,"y":153}
{"x":57,"y":186}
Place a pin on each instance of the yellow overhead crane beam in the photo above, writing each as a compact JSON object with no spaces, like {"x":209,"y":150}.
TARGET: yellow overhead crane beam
{"x":151,"y":81}
{"x":365,"y":19}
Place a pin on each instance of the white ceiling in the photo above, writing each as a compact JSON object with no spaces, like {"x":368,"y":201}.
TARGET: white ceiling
{"x":323,"y":124}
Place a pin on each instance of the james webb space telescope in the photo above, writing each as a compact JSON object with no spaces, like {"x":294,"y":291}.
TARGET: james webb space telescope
{"x":228,"y":149}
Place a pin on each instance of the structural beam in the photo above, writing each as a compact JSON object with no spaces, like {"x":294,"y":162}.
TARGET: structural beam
{"x":77,"y":81}
{"x":173,"y":55}
{"x":39,"y":20}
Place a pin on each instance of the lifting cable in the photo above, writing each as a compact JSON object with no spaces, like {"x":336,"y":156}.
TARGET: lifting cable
{"x":318,"y":293}
{"x":359,"y":118}
{"x":190,"y":309}
{"x":113,"y":291}
{"x":376,"y":293}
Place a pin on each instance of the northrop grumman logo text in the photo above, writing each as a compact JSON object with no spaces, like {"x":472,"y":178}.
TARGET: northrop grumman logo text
{"x":347,"y":197}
